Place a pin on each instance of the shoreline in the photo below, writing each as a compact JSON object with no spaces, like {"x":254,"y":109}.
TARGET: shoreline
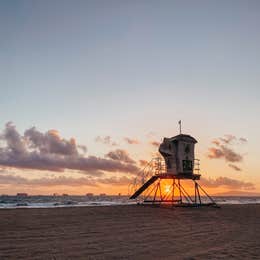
{"x":94,"y":205}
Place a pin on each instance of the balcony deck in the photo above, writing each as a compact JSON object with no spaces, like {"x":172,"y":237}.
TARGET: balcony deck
{"x":179,"y":176}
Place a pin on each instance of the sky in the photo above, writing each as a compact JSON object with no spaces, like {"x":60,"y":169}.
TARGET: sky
{"x":90,"y":88}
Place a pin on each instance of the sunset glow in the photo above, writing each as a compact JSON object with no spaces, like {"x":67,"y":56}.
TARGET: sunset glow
{"x":89,"y":91}
{"x":167,"y":189}
{"x":129,"y":129}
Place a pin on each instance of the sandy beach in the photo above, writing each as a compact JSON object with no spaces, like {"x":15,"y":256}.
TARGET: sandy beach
{"x":131,"y":232}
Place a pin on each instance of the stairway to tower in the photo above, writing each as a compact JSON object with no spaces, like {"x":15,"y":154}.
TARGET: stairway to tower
{"x":144,"y":186}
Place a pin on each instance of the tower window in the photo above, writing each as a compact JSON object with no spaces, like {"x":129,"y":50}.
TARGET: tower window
{"x":187,"y":165}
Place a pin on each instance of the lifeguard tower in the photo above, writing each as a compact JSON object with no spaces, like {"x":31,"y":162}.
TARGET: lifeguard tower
{"x":160,"y":181}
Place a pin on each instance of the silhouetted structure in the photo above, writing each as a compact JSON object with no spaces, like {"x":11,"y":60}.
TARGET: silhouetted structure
{"x":178,"y":164}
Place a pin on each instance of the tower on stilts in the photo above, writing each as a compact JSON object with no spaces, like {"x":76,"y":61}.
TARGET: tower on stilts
{"x":161,"y":181}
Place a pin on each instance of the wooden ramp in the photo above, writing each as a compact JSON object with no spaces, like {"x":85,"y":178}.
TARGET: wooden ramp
{"x":144,"y":187}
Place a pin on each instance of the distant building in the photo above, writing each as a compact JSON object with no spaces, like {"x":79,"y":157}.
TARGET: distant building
{"x":89,"y":194}
{"x":22,"y":194}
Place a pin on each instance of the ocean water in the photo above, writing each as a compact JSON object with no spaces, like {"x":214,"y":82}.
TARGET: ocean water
{"x":10,"y":202}
{"x":61,"y":201}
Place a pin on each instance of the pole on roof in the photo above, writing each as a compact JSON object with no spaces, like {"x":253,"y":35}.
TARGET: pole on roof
{"x":180,"y":126}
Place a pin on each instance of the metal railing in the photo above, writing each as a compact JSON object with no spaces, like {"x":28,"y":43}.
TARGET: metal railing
{"x":154,"y":167}
{"x":196,"y":166}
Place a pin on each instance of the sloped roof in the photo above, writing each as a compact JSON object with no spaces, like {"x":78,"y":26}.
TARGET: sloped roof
{"x":182,"y":137}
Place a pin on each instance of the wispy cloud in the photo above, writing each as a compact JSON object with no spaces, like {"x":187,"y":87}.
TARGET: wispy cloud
{"x":120,"y":155}
{"x":155,"y":143}
{"x":10,"y":179}
{"x":236,"y":168}
{"x":227,"y":182}
{"x":48,"y":151}
{"x":107,"y":140}
{"x":224,"y":149}
{"x":228,"y":139}
{"x":143,"y":163}
{"x":123,"y":180}
{"x":131,"y":140}
{"x":243,"y":140}
{"x":226,"y":153}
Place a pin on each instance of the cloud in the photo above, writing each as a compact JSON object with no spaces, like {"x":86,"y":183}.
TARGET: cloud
{"x":116,"y":181}
{"x":83,"y":148}
{"x":57,"y":181}
{"x":10,"y":179}
{"x":131,"y":141}
{"x":224,"y":150}
{"x":243,"y":140}
{"x":51,"y":142}
{"x":7,"y":179}
{"x":143,"y":163}
{"x":155,"y":143}
{"x":234,"y":167}
{"x":105,"y":140}
{"x":120,"y":155}
{"x":227,"y":139}
{"x":13,"y":139}
{"x":226,"y":153}
{"x":227,"y":182}
{"x":48,"y":151}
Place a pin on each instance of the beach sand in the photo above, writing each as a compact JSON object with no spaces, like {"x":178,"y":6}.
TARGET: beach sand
{"x":131,"y":232}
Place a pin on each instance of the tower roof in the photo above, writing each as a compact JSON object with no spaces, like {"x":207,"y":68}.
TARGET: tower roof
{"x":183,"y":137}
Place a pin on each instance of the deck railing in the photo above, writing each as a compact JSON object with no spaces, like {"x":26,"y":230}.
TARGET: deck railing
{"x":154,"y":167}
{"x":196,"y":166}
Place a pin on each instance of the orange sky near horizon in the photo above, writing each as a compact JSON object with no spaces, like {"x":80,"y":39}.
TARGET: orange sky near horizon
{"x":43,"y":182}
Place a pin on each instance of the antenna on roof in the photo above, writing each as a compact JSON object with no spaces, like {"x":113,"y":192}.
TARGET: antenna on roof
{"x":180,"y":126}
